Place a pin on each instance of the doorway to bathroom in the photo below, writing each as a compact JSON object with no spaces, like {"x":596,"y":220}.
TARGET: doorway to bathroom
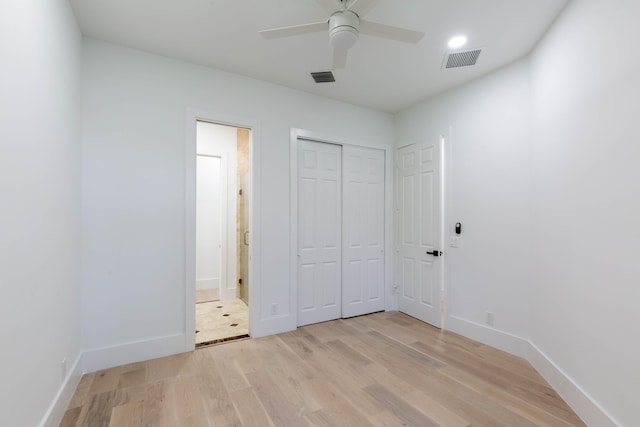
{"x":222,"y":232}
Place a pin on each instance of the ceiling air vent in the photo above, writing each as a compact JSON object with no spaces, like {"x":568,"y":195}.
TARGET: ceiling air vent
{"x":323,"y":77}
{"x":461,"y":59}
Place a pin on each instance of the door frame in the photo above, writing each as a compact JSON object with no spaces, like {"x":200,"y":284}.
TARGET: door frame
{"x":192,"y":116}
{"x":295,"y":135}
{"x":446,"y":208}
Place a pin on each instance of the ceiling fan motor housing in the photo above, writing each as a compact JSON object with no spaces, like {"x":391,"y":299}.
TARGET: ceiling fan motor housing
{"x":343,"y":29}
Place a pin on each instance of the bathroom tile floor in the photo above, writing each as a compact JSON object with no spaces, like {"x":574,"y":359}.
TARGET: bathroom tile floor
{"x":218,"y":320}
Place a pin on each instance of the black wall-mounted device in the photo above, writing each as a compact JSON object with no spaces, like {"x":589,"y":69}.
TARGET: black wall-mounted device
{"x":458,"y":228}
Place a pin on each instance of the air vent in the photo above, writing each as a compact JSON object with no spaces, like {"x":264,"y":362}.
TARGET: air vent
{"x":323,"y":77}
{"x":461,"y":59}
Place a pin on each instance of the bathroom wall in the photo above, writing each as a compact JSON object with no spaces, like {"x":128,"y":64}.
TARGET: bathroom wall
{"x":242,"y":219}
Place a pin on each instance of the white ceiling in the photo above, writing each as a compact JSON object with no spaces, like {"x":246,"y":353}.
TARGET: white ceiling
{"x":380,"y":74}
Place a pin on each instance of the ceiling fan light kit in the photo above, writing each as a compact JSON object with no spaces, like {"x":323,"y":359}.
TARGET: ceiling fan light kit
{"x":343,"y":30}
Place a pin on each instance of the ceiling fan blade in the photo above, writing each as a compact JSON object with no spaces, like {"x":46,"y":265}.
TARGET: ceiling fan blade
{"x":389,"y":32}
{"x":294,"y":30}
{"x":329,"y":6}
{"x":362,"y":7}
{"x":339,"y":58}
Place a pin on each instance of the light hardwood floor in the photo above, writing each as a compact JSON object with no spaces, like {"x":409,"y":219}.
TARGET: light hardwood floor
{"x":385,"y":369}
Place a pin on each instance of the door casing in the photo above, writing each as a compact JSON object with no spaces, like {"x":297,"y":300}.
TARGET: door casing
{"x":192,"y":116}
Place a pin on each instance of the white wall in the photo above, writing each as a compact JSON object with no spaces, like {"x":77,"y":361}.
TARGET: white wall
{"x":486,"y":124}
{"x":586,"y":202}
{"x":40,"y":47}
{"x":547,"y":188}
{"x":134,"y":108}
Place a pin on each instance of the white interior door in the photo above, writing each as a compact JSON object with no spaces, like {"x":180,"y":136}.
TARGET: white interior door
{"x":319,"y":232}
{"x":363,"y":231}
{"x":419,"y":220}
{"x":209,"y":265}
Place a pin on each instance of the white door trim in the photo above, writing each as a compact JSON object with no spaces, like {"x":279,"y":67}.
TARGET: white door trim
{"x":295,"y":134}
{"x":448,"y":223}
{"x":192,"y":116}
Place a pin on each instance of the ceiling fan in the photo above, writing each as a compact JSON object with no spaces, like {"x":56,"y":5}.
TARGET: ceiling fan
{"x":344,"y":25}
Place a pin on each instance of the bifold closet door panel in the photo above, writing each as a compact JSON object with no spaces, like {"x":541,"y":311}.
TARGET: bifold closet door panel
{"x":363,"y":231}
{"x":319,"y":232}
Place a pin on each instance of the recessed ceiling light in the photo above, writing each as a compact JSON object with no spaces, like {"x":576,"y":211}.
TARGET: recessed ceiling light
{"x":457,"y":42}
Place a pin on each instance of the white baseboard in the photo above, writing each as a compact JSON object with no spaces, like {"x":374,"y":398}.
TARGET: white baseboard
{"x":582,"y":404}
{"x":108,"y":357}
{"x":499,"y":339}
{"x":271,"y":326}
{"x":60,"y":403}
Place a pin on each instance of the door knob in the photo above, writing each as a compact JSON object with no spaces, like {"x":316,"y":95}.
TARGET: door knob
{"x":434,"y":253}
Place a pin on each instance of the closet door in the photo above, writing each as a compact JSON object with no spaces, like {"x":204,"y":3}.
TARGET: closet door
{"x":363,"y":231}
{"x":319,"y":232}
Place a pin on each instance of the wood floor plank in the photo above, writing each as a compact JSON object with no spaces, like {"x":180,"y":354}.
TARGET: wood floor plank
{"x":400,"y":408}
{"x":339,"y":414}
{"x":349,"y":379}
{"x":233,"y":377}
{"x":382,"y":376}
{"x":71,"y":417}
{"x":385,"y":369}
{"x":127,"y":415}
{"x":170,"y":367}
{"x":500,"y":415}
{"x":247,"y":356}
{"x":189,"y":405}
{"x":287,"y":359}
{"x":439,"y":413}
{"x":105,"y":380}
{"x":249,"y":408}
{"x":348,"y":354}
{"x":278,"y":406}
{"x":98,"y":410}
{"x":168,"y":408}
{"x":386,"y":419}
{"x":385,"y":326}
{"x":158,"y":408}
{"x":133,"y":377}
{"x":216,"y":402}
{"x":82,"y":390}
